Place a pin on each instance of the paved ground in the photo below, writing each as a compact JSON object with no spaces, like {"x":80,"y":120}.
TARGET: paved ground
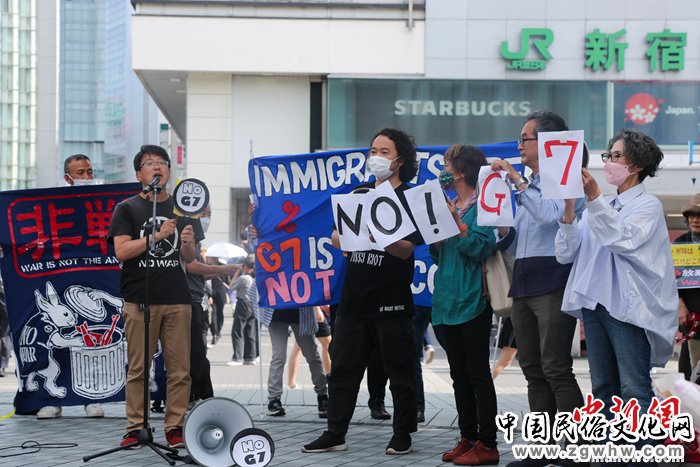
{"x":367,"y":438}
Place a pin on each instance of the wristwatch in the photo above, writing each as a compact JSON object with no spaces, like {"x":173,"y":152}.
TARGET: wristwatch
{"x":520,"y":182}
{"x":563,"y":220}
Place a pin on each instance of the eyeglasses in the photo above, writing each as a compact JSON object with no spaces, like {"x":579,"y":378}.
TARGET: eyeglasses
{"x":523,"y":140}
{"x":611,"y":156}
{"x":152,"y":163}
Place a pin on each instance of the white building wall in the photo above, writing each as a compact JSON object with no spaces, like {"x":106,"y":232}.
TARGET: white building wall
{"x":249,"y":45}
{"x":226,"y":114}
{"x":209,"y":146}
{"x":47,"y":167}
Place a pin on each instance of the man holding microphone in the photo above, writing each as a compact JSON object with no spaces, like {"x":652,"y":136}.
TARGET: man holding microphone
{"x":157,"y":280}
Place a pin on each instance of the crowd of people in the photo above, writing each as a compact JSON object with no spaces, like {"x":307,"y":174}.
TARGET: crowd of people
{"x":603,"y":259}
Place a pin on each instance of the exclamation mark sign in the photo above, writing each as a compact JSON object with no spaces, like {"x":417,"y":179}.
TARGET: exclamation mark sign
{"x":431,"y":213}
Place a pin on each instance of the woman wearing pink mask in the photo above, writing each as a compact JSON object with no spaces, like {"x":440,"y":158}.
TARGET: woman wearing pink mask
{"x":622,"y":276}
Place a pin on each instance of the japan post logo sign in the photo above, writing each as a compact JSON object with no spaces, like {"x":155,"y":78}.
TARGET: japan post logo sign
{"x":560,"y":155}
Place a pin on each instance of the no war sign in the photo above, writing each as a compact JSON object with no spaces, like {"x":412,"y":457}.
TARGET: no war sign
{"x":295,"y":262}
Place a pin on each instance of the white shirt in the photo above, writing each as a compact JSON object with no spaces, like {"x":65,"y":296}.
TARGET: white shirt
{"x":622,"y":260}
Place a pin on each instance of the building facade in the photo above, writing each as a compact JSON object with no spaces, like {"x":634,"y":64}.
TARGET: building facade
{"x":67,"y":87}
{"x":27,"y":103}
{"x":240,"y":79}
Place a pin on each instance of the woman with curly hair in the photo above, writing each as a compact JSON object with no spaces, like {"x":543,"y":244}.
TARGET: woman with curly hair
{"x":622,"y":278}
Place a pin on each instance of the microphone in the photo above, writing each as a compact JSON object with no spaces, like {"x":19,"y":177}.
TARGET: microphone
{"x":153,"y":186}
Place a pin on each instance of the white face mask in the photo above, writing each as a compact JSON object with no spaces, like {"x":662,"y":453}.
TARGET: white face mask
{"x":206,"y":222}
{"x":380,"y":167}
{"x":86,"y":182}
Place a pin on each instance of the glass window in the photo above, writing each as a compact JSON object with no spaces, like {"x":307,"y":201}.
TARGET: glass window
{"x":669,"y":113}
{"x":441,"y":112}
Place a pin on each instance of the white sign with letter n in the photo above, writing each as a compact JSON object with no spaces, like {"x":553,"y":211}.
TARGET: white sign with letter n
{"x":351,"y":216}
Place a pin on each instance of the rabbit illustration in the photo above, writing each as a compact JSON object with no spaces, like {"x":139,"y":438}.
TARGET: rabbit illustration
{"x":56,"y":316}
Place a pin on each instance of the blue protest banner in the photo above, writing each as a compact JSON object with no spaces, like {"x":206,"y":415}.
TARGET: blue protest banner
{"x":61,"y":283}
{"x":295,"y":261}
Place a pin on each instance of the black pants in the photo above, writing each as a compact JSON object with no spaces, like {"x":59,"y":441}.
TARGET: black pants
{"x":376,"y":380}
{"x":243,"y":332}
{"x":354,"y":342}
{"x":467,"y":347}
{"x":217,"y":315}
{"x":199,"y":364}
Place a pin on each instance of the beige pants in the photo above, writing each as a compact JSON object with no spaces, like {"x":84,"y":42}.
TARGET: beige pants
{"x":170,"y":323}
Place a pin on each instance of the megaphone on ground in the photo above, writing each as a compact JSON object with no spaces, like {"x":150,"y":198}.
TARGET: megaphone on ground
{"x":219,"y":432}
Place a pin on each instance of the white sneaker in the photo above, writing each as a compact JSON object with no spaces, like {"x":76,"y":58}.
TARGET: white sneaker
{"x":429,"y":353}
{"x":49,"y":411}
{"x":94,"y":411}
{"x":234,"y":363}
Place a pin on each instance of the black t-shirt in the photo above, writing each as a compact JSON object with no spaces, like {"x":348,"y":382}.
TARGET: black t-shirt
{"x":166,"y":274}
{"x":378,"y":284}
{"x":195,"y":281}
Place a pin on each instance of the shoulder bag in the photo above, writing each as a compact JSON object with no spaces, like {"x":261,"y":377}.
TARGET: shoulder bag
{"x":496,"y":284}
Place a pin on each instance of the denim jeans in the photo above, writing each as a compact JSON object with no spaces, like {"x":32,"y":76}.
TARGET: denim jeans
{"x":619,"y":358}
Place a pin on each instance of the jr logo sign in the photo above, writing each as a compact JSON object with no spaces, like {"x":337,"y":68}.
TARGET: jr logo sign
{"x":541,"y":39}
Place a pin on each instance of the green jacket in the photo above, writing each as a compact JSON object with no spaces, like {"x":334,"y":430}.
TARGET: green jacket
{"x":458,"y":294}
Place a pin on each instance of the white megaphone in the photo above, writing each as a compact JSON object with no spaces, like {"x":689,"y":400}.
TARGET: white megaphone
{"x":219,"y":432}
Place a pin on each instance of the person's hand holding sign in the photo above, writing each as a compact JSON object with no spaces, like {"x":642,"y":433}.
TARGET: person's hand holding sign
{"x":166,"y":229}
{"x":458,"y":221}
{"x":518,"y":180}
{"x":187,"y":236}
{"x":590,"y":186}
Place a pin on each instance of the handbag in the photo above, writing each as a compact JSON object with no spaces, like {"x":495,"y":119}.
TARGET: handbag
{"x":496,"y":283}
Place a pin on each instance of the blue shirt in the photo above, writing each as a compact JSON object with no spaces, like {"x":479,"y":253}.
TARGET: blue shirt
{"x":536,"y":270}
{"x":622,"y":260}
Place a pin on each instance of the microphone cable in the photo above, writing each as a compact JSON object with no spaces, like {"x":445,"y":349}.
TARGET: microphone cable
{"x":35,"y":447}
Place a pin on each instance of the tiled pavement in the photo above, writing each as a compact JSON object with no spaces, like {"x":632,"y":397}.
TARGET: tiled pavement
{"x":367,"y":438}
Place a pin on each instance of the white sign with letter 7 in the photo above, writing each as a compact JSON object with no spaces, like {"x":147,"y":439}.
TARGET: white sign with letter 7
{"x":560,"y":161}
{"x":494,"y":206}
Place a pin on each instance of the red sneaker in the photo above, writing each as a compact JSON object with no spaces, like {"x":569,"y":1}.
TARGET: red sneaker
{"x":480,"y":455}
{"x":130,"y":438}
{"x":174,"y":438}
{"x":463,"y":447}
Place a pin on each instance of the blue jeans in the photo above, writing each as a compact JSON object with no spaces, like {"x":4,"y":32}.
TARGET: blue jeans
{"x":619,"y":357}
